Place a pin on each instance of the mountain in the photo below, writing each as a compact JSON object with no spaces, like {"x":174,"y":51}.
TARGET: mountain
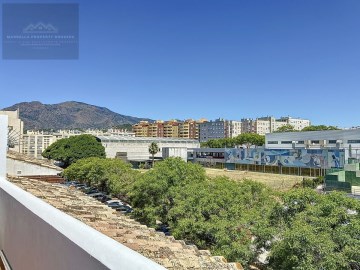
{"x":69,"y":115}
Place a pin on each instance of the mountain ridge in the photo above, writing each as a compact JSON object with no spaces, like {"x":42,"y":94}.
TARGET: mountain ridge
{"x":69,"y":115}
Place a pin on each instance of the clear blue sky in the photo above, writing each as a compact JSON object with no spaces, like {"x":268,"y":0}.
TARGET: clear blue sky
{"x":203,"y":58}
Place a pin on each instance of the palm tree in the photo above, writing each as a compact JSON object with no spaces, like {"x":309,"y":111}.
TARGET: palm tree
{"x":153,"y":150}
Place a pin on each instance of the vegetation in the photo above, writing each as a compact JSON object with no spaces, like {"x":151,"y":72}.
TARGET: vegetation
{"x":127,"y":127}
{"x":247,"y":139}
{"x":286,"y":128}
{"x":318,"y":128}
{"x":300,"y":229}
{"x":71,"y":149}
{"x":153,"y":150}
{"x":153,"y":194}
{"x":112,"y":175}
{"x":317,"y":231}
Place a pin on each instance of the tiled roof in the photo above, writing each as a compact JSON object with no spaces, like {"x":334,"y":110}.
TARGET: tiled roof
{"x":32,"y":160}
{"x":165,"y":250}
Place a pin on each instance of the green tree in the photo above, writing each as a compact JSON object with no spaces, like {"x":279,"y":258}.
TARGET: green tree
{"x":153,"y":150}
{"x":227,"y":217}
{"x":319,"y":128}
{"x":74,"y":148}
{"x":286,"y":128}
{"x":153,"y":192}
{"x":317,"y":231}
{"x":250,"y":139}
{"x":112,"y":175}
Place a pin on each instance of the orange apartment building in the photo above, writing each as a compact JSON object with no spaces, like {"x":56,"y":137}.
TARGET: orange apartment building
{"x":169,"y":129}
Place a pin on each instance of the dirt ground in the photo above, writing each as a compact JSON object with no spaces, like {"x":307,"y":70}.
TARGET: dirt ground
{"x":275,"y":181}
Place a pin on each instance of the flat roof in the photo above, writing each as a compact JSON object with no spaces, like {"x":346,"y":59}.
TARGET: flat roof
{"x":213,"y":150}
{"x":116,"y":138}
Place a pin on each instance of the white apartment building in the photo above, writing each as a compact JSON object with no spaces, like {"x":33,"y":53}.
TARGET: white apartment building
{"x":15,"y":129}
{"x":264,"y":125}
{"x":235,"y":128}
{"x":34,"y":144}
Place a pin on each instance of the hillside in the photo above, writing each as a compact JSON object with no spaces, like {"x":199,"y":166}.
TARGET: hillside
{"x":69,"y":115}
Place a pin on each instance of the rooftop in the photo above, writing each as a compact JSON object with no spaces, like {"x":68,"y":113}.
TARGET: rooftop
{"x":165,"y":250}
{"x":145,"y":139}
{"x":41,"y":162}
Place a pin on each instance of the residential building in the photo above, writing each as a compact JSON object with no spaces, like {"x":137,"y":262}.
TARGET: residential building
{"x":34,"y":144}
{"x":15,"y":129}
{"x":171,"y":129}
{"x":168,"y":129}
{"x":141,"y":129}
{"x":155,"y":129}
{"x":219,"y":129}
{"x":235,"y":128}
{"x":269,"y":124}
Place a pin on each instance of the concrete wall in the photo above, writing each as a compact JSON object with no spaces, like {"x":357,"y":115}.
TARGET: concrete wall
{"x":35,"y":235}
{"x":18,"y":168}
{"x":175,"y":152}
{"x":3,"y":144}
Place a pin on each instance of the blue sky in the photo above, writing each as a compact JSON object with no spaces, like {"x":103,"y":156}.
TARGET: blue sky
{"x":203,"y":58}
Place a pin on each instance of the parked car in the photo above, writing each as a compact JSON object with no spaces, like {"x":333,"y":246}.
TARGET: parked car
{"x":96,"y":195}
{"x":104,"y":198}
{"x":91,"y":191}
{"x":115,"y":205}
{"x":163,"y":228}
{"x":124,"y":209}
{"x":113,"y":201}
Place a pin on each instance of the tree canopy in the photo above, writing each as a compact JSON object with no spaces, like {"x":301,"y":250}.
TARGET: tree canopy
{"x":69,"y":150}
{"x":319,"y":127}
{"x":153,"y":193}
{"x":112,"y":175}
{"x":286,"y":128}
{"x":247,"y":139}
{"x":297,"y":229}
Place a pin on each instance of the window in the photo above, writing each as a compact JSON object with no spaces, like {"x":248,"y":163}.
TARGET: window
{"x":300,"y":142}
{"x":315,"y":141}
{"x":353,"y":141}
{"x":332,"y":141}
{"x":286,"y":142}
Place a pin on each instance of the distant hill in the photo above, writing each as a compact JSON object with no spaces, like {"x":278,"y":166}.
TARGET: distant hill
{"x":69,"y":115}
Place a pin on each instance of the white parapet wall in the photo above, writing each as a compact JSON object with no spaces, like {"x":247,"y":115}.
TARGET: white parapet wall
{"x":3,"y":144}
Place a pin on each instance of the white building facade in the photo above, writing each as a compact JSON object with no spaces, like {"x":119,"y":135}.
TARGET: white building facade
{"x":137,"y":148}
